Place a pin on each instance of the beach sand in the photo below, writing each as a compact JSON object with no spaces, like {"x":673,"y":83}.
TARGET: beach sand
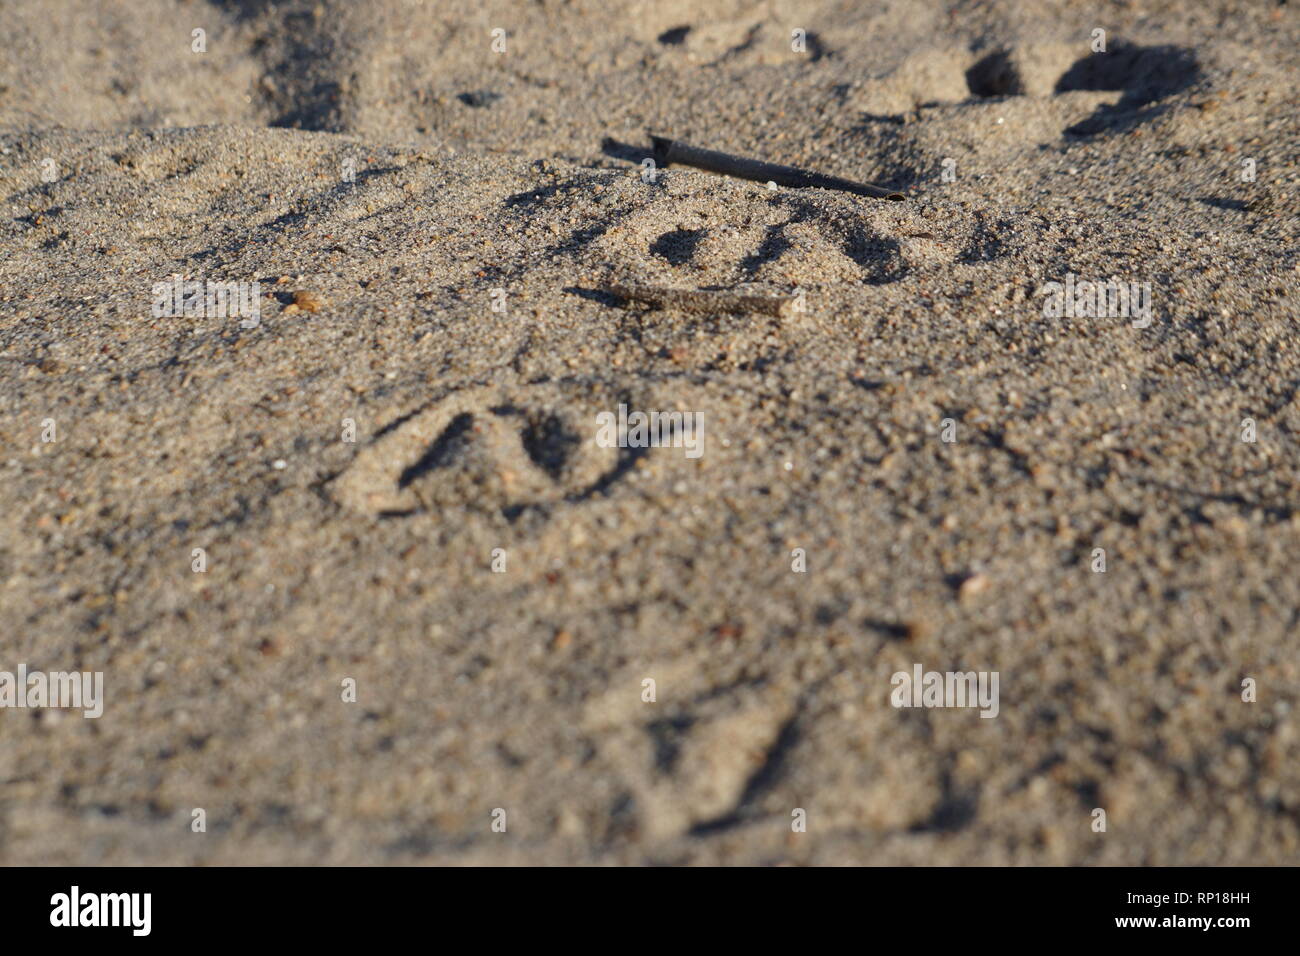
{"x":434,"y":227}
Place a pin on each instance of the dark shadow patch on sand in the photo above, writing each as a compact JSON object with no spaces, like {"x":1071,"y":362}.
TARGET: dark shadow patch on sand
{"x":316,"y":108}
{"x":1236,"y":205}
{"x":1278,"y":512}
{"x":881,"y":258}
{"x":815,"y":48}
{"x":763,"y":779}
{"x":1144,"y":74}
{"x":479,"y":99}
{"x":437,"y":454}
{"x":666,"y":735}
{"x":994,"y":75}
{"x":550,"y":443}
{"x":245,"y":9}
{"x":627,"y":459}
{"x":578,"y":239}
{"x":678,"y":246}
{"x":302,"y":97}
{"x":772,"y":247}
{"x":625,"y":151}
{"x":594,"y":295}
{"x":866,"y":384}
{"x":894,"y":630}
{"x":954,"y":811}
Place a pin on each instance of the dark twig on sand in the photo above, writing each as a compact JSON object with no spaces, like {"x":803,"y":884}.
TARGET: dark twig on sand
{"x":702,"y":300}
{"x":668,"y":151}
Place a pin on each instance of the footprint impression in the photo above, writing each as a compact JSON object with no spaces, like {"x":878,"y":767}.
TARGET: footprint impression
{"x":774,"y":241}
{"x":494,"y":448}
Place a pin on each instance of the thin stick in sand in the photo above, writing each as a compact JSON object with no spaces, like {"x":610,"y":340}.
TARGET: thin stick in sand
{"x":702,"y":300}
{"x":668,"y":151}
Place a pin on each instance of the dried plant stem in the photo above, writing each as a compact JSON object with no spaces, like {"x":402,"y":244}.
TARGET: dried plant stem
{"x":702,"y":300}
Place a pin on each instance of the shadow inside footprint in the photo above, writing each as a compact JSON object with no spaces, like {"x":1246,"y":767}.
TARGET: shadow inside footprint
{"x":1145,"y":74}
{"x":678,"y":246}
{"x":440,"y":452}
{"x":994,"y":75}
{"x":880,"y":258}
{"x":773,"y":245}
{"x":550,"y":443}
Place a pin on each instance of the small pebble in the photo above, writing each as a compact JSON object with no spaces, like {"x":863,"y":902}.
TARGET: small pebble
{"x":308,"y":301}
{"x":973,"y":586}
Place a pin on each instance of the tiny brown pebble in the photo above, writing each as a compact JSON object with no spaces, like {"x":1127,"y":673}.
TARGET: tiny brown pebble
{"x":308,"y":301}
{"x":51,"y":366}
{"x":268,"y":648}
{"x":562,"y":640}
{"x":915,"y":629}
{"x":291,"y":308}
{"x":974,"y":585}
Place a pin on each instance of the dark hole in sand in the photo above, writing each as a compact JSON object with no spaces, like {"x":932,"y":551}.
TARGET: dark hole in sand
{"x":994,"y":75}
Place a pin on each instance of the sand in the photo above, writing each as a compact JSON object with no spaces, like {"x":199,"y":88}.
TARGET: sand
{"x":395,"y":481}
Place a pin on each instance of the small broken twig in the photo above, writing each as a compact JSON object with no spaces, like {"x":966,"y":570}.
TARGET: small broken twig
{"x":702,"y":300}
{"x":667,"y":151}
